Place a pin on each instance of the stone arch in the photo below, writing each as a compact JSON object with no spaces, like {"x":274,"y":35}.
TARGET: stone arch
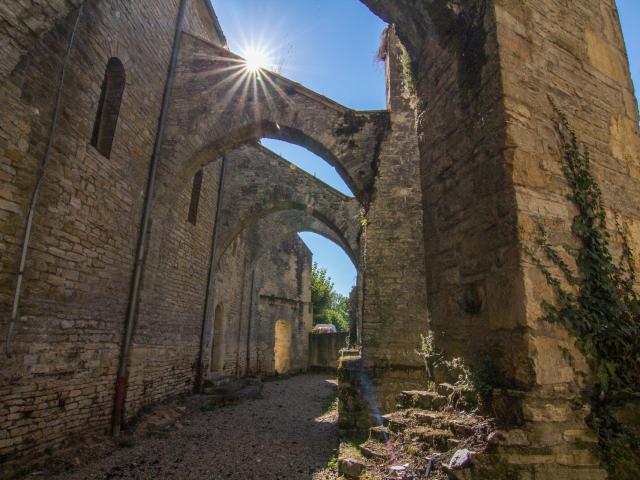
{"x":322,"y":225}
{"x":295,"y":136}
{"x":273,"y":227}
{"x":204,"y":93}
{"x":259,"y":183}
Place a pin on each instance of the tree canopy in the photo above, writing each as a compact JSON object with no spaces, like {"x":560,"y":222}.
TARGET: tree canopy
{"x":328,"y":305}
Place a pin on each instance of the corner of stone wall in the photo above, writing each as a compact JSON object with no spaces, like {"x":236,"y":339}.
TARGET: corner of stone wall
{"x":354,"y":412}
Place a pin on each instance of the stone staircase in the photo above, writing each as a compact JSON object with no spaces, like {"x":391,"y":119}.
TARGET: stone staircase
{"x":430,"y":435}
{"x":439,"y":435}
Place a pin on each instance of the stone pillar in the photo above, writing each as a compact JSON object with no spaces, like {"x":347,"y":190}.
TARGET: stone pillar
{"x":490,"y":165}
{"x":395,"y":309}
{"x":574,"y":54}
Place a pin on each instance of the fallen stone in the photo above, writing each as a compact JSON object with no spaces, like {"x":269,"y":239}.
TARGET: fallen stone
{"x":398,"y":471}
{"x":461,"y":459}
{"x":350,"y":468}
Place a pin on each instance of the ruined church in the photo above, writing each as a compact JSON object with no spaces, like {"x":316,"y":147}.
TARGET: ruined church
{"x":149,"y":243}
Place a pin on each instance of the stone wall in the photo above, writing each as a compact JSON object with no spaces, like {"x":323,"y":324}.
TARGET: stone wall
{"x":24,"y":24}
{"x":586,"y":73}
{"x":170,"y":312}
{"x":469,"y":203}
{"x":67,"y":336}
{"x":288,"y":301}
{"x":59,"y":382}
{"x":257,"y":287}
{"x":324,"y":349}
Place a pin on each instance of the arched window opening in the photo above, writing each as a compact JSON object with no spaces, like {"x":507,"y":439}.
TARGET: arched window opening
{"x":218,"y":341}
{"x":333,"y":293}
{"x":195,"y":197}
{"x":282,"y":347}
{"x":104,"y":128}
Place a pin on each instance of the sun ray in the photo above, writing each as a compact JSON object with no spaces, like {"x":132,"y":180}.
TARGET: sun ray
{"x":278,"y":89}
{"x":241,"y":82}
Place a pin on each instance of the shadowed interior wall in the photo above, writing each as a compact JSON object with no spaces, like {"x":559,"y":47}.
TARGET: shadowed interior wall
{"x":289,"y":299}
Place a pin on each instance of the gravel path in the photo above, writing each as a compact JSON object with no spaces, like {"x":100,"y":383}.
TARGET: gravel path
{"x":286,"y":433}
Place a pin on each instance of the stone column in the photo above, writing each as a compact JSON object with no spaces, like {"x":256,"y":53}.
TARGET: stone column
{"x":395,"y":309}
{"x":491,"y":172}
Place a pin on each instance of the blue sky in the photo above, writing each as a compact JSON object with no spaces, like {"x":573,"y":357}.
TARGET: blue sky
{"x":330,"y":46}
{"x":629,"y":11}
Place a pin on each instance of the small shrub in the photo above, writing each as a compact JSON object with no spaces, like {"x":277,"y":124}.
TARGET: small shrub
{"x":479,"y":377}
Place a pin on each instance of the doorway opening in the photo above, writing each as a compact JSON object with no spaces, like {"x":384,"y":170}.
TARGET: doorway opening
{"x":282,"y":348}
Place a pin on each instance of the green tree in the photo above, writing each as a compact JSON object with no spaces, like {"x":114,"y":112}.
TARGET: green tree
{"x":328,"y":305}
{"x":338,"y":314}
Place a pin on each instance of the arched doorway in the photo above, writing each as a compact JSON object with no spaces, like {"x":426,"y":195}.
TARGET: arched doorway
{"x":218,"y":342}
{"x":282,"y":348}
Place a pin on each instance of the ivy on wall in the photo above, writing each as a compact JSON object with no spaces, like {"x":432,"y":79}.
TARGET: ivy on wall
{"x":598,"y":305}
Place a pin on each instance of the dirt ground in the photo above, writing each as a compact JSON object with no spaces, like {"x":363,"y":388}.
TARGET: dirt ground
{"x":286,"y":432}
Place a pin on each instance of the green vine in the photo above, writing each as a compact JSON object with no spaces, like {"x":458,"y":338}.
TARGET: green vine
{"x":598,"y":306}
{"x":408,"y":83}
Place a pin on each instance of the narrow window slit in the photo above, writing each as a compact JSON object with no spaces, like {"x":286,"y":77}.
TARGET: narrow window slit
{"x":104,"y":128}
{"x":195,"y":197}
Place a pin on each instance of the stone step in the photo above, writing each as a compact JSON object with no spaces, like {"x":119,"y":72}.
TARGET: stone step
{"x":463,"y":474}
{"x":397,"y":422}
{"x":432,"y":437}
{"x":422,"y":399}
{"x":485,"y":465}
{"x":379,"y":434}
{"x":216,"y":379}
{"x":427,"y":417}
{"x":461,"y":428}
{"x":453,"y":443}
{"x":374,"y":451}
